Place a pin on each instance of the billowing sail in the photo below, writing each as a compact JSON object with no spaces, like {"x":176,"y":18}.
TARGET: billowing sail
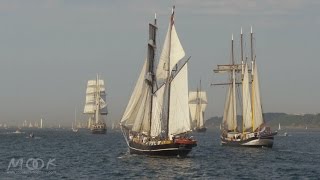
{"x":257,"y":108}
{"x":246,"y":101}
{"x":142,"y":120}
{"x":172,"y":50}
{"x":179,"y":121}
{"x":229,"y":120}
{"x":157,"y":108}
{"x":90,"y":106}
{"x":131,"y":112}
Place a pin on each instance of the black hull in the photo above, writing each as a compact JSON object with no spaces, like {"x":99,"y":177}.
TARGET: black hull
{"x":255,"y":142}
{"x":98,"y":131}
{"x":204,"y":129}
{"x":172,"y":149}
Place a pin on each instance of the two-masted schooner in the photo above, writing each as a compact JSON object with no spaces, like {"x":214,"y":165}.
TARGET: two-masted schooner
{"x":197,"y":104}
{"x":253,"y":131}
{"x":156,"y":120}
{"x":96,"y":105}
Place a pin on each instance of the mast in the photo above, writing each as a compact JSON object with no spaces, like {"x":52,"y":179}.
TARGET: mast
{"x":75,"y":116}
{"x":200,"y":105}
{"x":97,"y":99}
{"x":198,"y":109}
{"x":252,"y":67}
{"x":234,"y":88}
{"x":242,"y":75}
{"x":241,"y":46}
{"x":151,"y":56}
{"x":168,"y":75}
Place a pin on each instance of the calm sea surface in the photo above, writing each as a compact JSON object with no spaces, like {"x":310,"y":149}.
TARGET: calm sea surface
{"x":62,"y":154}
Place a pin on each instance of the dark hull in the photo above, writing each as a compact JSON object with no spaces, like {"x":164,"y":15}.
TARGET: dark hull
{"x":262,"y":141}
{"x":172,"y":149}
{"x":204,"y":129}
{"x":98,"y":131}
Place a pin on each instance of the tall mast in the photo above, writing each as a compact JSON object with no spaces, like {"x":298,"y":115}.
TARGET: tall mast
{"x":242,"y":72}
{"x":151,"y":56}
{"x":97,"y":98}
{"x":169,"y":73}
{"x":241,"y":45}
{"x":75,"y":116}
{"x":252,"y":70}
{"x":234,"y":88}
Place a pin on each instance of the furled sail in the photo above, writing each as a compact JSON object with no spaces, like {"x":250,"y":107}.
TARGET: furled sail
{"x":90,"y":105}
{"x":179,"y":121}
{"x":257,"y":107}
{"x":246,"y":101}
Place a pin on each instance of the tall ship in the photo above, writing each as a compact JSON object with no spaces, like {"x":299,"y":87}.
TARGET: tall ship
{"x":197,"y":104}
{"x":96,"y":106}
{"x":243,"y":87}
{"x":156,"y":121}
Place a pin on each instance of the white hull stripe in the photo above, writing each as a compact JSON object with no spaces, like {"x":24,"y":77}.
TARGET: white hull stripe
{"x":167,"y":149}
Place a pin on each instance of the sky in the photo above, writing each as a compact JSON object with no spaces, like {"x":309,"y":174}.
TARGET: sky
{"x":49,"y":49}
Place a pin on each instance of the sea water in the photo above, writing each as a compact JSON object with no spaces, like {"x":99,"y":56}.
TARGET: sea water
{"x":63,"y":154}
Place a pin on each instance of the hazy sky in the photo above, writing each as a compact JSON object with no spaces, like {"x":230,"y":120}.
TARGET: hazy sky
{"x":50,"y":48}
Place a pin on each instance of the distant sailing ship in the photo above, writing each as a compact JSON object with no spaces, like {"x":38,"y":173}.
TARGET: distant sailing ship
{"x":279,"y":128}
{"x":254,"y":132}
{"x":156,"y":121}
{"x":96,"y":105}
{"x":197,"y":104}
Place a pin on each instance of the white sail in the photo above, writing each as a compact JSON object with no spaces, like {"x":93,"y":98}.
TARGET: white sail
{"x":200,"y":121}
{"x":157,"y":107}
{"x":162,"y":67}
{"x":179,"y":121}
{"x":142,"y":119}
{"x":246,"y":101}
{"x":257,"y":108}
{"x":195,"y":96}
{"x":193,"y":112}
{"x":90,"y":105}
{"x":197,"y":106}
{"x":172,"y":50}
{"x":136,"y":100}
{"x":228,"y":115}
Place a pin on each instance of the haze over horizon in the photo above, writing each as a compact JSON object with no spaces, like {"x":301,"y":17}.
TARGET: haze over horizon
{"x":51,"y":48}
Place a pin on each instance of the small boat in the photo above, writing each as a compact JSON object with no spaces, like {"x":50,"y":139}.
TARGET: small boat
{"x":156,"y":121}
{"x":17,"y":131}
{"x":31,"y":135}
{"x":253,"y":132}
{"x":279,"y":128}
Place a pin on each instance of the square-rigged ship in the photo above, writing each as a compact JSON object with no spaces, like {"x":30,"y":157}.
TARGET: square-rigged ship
{"x":197,"y":104}
{"x":156,"y":121}
{"x":253,"y":132}
{"x":96,"y":105}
